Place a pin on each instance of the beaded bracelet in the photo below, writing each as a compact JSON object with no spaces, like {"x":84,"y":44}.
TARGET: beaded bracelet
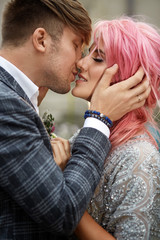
{"x":100,"y":116}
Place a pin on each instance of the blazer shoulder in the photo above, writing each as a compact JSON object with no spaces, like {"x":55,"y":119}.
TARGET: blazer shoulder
{"x":11,"y":94}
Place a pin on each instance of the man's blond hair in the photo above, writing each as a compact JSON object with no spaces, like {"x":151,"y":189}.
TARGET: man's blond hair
{"x":22,"y":17}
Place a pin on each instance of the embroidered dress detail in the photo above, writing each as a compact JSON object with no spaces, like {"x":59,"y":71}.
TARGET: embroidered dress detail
{"x":127,"y":200}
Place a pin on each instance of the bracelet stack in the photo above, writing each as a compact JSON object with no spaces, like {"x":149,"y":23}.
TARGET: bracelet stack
{"x":99,"y":116}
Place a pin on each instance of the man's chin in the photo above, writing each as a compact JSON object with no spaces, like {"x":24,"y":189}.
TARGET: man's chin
{"x":88,"y":99}
{"x":61,"y":90}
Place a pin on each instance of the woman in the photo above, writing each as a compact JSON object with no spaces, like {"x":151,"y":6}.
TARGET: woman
{"x":126,"y":202}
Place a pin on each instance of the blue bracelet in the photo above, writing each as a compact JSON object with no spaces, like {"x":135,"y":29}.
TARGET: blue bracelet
{"x":99,"y":116}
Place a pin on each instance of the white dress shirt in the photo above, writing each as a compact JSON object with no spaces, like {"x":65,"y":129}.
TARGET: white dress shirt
{"x":32,"y":91}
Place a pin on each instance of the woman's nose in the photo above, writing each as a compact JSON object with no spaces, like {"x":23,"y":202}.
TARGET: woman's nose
{"x":82,"y":64}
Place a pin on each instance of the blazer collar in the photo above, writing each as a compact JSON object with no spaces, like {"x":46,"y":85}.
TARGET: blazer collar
{"x":7,"y":79}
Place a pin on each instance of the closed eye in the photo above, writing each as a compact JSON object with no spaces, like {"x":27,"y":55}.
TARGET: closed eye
{"x":98,"y":59}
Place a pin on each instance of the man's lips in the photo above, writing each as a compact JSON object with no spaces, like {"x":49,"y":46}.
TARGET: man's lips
{"x":74,"y":77}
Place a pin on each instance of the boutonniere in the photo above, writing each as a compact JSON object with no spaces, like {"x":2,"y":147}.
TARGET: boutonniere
{"x":48,"y":121}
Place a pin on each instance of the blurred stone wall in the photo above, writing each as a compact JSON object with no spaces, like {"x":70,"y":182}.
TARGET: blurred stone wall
{"x":2,"y":3}
{"x":110,"y":9}
{"x":67,"y":110}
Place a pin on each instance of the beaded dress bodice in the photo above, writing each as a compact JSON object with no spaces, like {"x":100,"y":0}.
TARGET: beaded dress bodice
{"x":127,"y":200}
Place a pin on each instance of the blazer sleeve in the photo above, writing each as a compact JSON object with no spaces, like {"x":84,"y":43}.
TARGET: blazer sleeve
{"x":52,"y":198}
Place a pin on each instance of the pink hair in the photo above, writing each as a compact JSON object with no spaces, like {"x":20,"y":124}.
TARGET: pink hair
{"x":132,"y":44}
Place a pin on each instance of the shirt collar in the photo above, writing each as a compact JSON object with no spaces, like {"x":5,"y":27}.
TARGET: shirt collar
{"x":26,"y":84}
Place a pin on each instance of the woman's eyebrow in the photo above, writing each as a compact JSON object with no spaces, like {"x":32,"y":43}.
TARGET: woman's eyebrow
{"x":95,"y":50}
{"x":91,"y":48}
{"x":99,"y":51}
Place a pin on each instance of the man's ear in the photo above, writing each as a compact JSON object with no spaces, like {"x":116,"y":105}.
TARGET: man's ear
{"x":39,"y":39}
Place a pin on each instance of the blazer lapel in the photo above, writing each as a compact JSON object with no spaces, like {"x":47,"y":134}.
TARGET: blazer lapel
{"x":7,"y":79}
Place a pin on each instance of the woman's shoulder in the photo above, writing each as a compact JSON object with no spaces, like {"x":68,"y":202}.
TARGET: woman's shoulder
{"x":137,"y":152}
{"x":138,"y":145}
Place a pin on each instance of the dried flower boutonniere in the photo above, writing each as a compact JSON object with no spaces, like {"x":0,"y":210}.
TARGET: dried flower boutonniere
{"x":48,"y":121}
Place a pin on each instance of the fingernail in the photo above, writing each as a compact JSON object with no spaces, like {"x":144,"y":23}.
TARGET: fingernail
{"x":115,"y":65}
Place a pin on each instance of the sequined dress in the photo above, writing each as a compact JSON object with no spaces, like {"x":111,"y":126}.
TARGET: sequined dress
{"x":127,"y":200}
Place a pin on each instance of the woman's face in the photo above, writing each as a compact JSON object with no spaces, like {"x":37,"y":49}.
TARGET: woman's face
{"x":91,"y":69}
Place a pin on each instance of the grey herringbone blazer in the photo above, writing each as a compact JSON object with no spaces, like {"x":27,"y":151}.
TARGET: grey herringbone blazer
{"x":37,"y":200}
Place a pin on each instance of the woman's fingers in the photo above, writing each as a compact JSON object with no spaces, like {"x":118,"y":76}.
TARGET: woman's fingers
{"x":106,"y":78}
{"x":139,"y":100}
{"x":66,"y":145}
{"x":142,"y":89}
{"x":134,"y":80}
{"x":61,"y":151}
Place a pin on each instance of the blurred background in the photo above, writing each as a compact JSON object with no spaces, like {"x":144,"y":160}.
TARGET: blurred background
{"x":67,"y":110}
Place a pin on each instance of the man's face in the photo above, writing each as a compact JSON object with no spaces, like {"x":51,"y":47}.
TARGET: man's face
{"x":60,"y":65}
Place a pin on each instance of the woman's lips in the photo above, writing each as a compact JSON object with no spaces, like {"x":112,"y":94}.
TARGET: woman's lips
{"x":81,"y":78}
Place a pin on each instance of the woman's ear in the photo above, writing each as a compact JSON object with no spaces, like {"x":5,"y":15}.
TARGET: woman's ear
{"x":39,"y":39}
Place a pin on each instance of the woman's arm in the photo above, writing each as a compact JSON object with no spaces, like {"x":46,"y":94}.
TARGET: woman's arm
{"x":88,"y":229}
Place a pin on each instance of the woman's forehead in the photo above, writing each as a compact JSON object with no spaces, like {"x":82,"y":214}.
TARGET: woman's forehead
{"x":97,"y":47}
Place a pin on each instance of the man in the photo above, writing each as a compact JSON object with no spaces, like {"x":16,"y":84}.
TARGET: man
{"x":41,"y":42}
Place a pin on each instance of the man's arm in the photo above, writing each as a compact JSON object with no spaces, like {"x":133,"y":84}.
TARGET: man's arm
{"x":54,"y":199}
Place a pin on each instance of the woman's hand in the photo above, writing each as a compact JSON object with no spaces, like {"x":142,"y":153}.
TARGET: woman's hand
{"x":61,"y":151}
{"x":117,"y":100}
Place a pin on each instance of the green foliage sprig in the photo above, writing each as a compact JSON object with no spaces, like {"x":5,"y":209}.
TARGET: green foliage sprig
{"x":49,"y":124}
